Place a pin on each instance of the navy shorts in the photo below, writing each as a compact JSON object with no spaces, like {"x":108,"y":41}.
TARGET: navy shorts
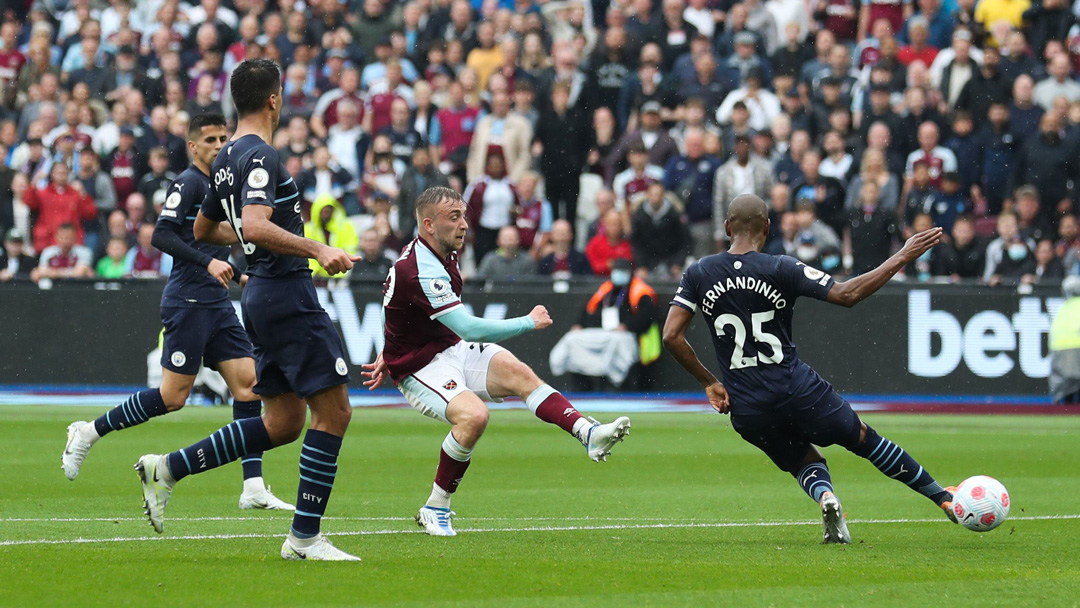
{"x":785,"y":434}
{"x":297,"y":348}
{"x":201,"y":335}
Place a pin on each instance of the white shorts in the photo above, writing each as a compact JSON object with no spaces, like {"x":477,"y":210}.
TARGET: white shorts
{"x":462,"y":367}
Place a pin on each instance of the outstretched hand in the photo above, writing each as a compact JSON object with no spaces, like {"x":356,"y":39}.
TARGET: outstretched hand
{"x":920,"y":243}
{"x":377,"y":371}
{"x":718,"y":398}
{"x":336,"y":261}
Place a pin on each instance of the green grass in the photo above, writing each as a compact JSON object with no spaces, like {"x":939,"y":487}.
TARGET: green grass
{"x":675,"y":469}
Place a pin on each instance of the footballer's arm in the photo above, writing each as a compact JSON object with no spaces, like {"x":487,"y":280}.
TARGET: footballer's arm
{"x":851,"y":292}
{"x":210,"y":232}
{"x":258,"y":229}
{"x":675,"y":342}
{"x":167,"y":239}
{"x":476,"y":329}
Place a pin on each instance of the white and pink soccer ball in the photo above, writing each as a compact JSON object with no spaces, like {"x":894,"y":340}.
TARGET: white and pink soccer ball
{"x":981,"y":503}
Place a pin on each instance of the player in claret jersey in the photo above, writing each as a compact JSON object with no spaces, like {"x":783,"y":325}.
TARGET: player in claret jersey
{"x":200,"y":323}
{"x":777,"y":402}
{"x":443,"y":362}
{"x":298,"y":353}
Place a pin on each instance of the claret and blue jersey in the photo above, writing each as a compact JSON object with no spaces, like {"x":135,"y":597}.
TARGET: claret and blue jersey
{"x":748,"y":300}
{"x":248,"y":171}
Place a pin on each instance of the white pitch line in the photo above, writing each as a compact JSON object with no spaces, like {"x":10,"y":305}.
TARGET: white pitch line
{"x":758,"y":524}
{"x":333,"y":518}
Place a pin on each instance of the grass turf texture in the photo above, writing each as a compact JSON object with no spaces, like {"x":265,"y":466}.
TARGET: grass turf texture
{"x":675,"y":469}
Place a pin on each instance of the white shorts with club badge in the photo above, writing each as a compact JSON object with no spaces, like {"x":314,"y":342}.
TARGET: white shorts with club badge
{"x":462,"y":367}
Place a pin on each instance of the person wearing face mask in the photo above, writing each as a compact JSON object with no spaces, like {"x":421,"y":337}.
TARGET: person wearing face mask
{"x":616,"y":337}
{"x":1009,"y":256}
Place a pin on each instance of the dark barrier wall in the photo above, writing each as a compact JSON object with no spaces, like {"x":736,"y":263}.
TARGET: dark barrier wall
{"x":905,"y":340}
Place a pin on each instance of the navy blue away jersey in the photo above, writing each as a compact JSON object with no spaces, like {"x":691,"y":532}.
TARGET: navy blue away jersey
{"x":247,"y":172}
{"x":748,"y":301}
{"x":191,"y":285}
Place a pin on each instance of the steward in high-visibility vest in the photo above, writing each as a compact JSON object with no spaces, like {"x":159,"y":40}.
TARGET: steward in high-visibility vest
{"x":637,"y":305}
{"x":1065,"y":346}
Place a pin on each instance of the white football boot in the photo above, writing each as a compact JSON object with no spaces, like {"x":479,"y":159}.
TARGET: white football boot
{"x":81,"y":436}
{"x":600,"y":438}
{"x":260,"y":497}
{"x":834,"y":526}
{"x":435,"y":521}
{"x":318,"y":548}
{"x":152,"y":470}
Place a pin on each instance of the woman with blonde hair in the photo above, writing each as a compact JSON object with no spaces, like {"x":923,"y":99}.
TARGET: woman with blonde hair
{"x":873,"y":168}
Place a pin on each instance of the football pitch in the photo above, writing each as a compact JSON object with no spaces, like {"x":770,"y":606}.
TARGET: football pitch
{"x":683,"y":514}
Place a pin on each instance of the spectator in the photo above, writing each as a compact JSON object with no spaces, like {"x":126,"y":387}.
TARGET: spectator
{"x":154,"y":185}
{"x":330,"y":225}
{"x":742,"y":174}
{"x":691,"y":178}
{"x":564,"y":262}
{"x":1024,"y":113}
{"x":816,"y":243}
{"x":827,"y":193}
{"x":508,"y":262}
{"x":533,"y":217}
{"x":58,"y":203}
{"x":344,"y":137}
{"x":403,"y":137}
{"x":873,"y":169}
{"x":453,"y":131}
{"x":957,"y":71}
{"x":952,"y":203}
{"x":1048,"y":266}
{"x":871,"y":230}
{"x":561,"y":142}
{"x":1068,"y":240}
{"x":1059,"y":83}
{"x":964,"y":257}
{"x":986,"y":86}
{"x":15,"y":263}
{"x":327,"y":177}
{"x":491,"y":201}
{"x":504,"y":131}
{"x":1048,"y":162}
{"x":375,"y":265}
{"x":66,"y":259}
{"x":938,"y":159}
{"x":604,"y":248}
{"x":420,"y":175}
{"x":114,"y":264}
{"x":1009,"y":256}
{"x":658,"y":233}
{"x":637,"y":177}
{"x":660,"y":146}
{"x":1032,"y":225}
{"x":989,"y":12}
{"x":382,"y":173}
{"x":158,"y":136}
{"x":921,"y":195}
{"x":144,"y":261}
{"x":837,"y":162}
{"x":326,"y":110}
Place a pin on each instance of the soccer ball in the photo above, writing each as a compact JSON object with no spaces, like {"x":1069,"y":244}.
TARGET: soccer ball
{"x":980,"y":503}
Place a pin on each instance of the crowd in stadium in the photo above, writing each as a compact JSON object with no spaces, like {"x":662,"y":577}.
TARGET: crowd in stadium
{"x":580,"y":132}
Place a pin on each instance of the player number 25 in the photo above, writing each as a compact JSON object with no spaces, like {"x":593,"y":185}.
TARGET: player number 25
{"x":738,"y":361}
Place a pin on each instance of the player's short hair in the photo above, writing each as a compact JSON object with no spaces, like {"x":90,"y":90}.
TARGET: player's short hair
{"x":197,"y":123}
{"x":431,"y":197}
{"x":252,"y":82}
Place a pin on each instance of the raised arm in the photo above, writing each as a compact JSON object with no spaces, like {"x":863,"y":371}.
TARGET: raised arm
{"x":258,"y":229}
{"x":851,"y":292}
{"x":675,"y":342}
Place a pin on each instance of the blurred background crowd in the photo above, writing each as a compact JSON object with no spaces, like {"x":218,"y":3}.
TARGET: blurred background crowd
{"x":581,"y":132}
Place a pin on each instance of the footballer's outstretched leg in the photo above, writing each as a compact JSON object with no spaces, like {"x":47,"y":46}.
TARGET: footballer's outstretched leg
{"x":894,"y":462}
{"x":815,"y":480}
{"x":135,"y":410}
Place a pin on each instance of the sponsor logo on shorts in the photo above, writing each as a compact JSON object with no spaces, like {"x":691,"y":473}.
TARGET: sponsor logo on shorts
{"x":340,"y":367}
{"x":450,"y":385}
{"x":178,"y":359}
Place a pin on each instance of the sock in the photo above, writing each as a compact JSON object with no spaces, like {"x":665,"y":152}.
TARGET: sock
{"x":893,"y":461}
{"x":815,"y":479}
{"x":138,"y":408}
{"x":318,"y":467}
{"x":222,"y":447}
{"x":550,"y":406}
{"x":454,"y":460}
{"x":252,"y":461}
